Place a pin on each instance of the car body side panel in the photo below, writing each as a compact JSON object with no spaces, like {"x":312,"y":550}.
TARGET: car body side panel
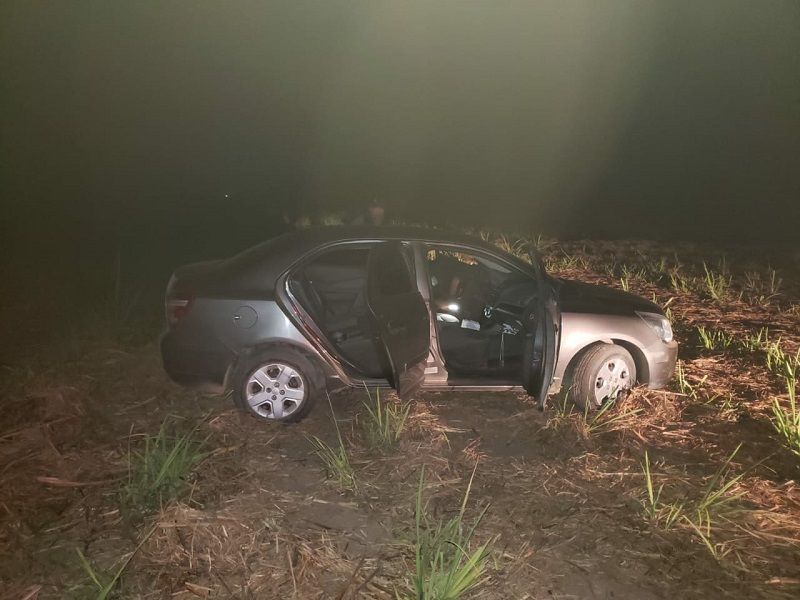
{"x":579,"y":330}
{"x":202,"y":347}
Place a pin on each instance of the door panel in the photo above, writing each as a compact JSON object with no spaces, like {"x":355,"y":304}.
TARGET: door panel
{"x":541,"y":348}
{"x":399,"y":314}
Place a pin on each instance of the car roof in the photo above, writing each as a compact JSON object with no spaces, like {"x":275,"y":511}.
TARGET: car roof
{"x":319,"y":235}
{"x":270,"y":259}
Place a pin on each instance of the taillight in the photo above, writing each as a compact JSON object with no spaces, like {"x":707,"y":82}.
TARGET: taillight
{"x":177,"y":309}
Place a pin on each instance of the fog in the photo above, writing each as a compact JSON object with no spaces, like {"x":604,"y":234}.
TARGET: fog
{"x":184,"y":122}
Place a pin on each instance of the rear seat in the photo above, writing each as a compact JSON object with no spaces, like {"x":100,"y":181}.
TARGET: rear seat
{"x":339,"y":292}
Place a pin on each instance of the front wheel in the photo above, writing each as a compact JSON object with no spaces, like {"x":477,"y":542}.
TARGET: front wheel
{"x":604,"y":373}
{"x":275,"y":385}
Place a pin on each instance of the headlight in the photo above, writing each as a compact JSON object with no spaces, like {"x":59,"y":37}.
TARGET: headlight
{"x":658,"y":323}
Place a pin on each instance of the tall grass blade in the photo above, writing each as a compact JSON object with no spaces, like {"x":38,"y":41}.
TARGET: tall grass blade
{"x":445,"y":566}
{"x":385,"y":422}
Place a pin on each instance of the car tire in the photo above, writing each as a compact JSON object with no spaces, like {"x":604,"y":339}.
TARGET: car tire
{"x":602,"y":368}
{"x":278,"y":385}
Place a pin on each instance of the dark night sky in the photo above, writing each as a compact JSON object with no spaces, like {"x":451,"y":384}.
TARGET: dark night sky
{"x":606,"y":118}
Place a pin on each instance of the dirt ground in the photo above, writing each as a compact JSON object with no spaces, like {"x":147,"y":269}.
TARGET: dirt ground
{"x":564,"y":494}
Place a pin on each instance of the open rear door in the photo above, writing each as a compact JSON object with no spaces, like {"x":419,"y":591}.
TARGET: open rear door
{"x":400,"y":318}
{"x":541,"y":347}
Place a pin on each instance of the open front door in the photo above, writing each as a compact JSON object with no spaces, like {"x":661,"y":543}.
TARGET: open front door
{"x":400,"y":318}
{"x":541,"y":346}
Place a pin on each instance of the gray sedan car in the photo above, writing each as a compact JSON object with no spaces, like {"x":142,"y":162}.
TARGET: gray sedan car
{"x":403,"y":307}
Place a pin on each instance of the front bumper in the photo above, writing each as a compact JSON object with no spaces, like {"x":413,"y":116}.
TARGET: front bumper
{"x":661,"y":363}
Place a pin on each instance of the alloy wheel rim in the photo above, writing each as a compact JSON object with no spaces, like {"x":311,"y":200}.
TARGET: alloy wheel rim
{"x":612,"y":378}
{"x":275,"y":391}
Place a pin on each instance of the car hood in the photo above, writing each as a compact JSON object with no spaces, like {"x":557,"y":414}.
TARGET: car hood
{"x":575,"y":296}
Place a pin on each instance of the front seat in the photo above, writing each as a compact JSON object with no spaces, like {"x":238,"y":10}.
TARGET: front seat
{"x":464,"y":349}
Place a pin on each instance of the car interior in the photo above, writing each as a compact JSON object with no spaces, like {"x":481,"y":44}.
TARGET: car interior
{"x":332,"y":289}
{"x":481,"y":306}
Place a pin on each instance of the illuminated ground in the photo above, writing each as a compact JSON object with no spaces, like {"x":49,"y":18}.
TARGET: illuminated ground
{"x":565,"y":497}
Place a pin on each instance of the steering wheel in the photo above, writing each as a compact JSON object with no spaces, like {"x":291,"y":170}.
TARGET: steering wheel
{"x":494,"y":311}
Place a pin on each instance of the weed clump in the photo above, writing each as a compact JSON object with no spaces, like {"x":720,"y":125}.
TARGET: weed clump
{"x":385,"y":422}
{"x":335,"y":458}
{"x":445,"y":567}
{"x":161,"y":470}
{"x":699,"y":515}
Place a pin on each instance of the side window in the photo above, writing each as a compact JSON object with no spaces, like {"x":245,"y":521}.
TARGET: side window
{"x":392,"y":273}
{"x":333,"y":283}
{"x":450,"y":268}
{"x":466,"y":285}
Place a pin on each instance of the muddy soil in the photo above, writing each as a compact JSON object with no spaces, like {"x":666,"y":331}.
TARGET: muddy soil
{"x":261,"y":518}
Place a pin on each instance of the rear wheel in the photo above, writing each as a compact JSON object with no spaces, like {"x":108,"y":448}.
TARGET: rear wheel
{"x":276,"y":385}
{"x":604,"y":373}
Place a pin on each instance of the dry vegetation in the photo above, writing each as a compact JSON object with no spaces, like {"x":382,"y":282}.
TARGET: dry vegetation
{"x":116,"y":483}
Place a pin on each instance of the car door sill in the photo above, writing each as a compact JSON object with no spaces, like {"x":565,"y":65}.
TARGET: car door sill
{"x":473,"y":385}
{"x":465,"y":385}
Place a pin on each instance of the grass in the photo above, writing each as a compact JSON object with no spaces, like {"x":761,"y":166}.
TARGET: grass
{"x":718,"y":491}
{"x":717,"y":285}
{"x":563,"y":261}
{"x":604,"y":420}
{"x":684,"y":385}
{"x":679,"y":282}
{"x":626,"y":273}
{"x":515,"y":246}
{"x":780,"y":362}
{"x":104,"y":584}
{"x":335,"y":458}
{"x":725,"y":404}
{"x":385,"y":422}
{"x":762,"y":290}
{"x":717,"y":496}
{"x":560,"y":410}
{"x":755,"y":341}
{"x":646,"y":269}
{"x":786,"y":420}
{"x":161,"y":470}
{"x":715,"y":339}
{"x":586,"y":422}
{"x":668,"y":310}
{"x":700,"y":515}
{"x":629,"y":273}
{"x":656,"y":511}
{"x":703,"y":533}
{"x":654,"y":271}
{"x":446,"y":567}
